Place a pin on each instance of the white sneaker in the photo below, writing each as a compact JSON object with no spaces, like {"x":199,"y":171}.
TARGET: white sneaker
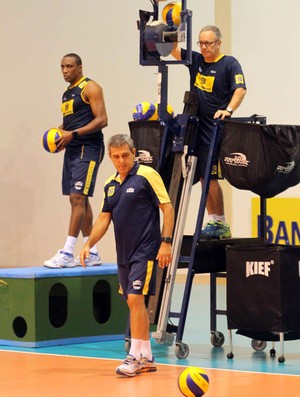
{"x":61,"y":259}
{"x":130,"y":366}
{"x":147,"y":365}
{"x":93,"y":260}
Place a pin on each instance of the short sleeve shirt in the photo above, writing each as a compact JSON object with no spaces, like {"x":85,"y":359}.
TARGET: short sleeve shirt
{"x":133,"y":204}
{"x":214,"y":83}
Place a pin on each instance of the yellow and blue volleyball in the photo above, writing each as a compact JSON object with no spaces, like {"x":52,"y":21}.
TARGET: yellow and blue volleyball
{"x":143,"y":111}
{"x":49,"y":138}
{"x":171,"y":14}
{"x":155,"y":116}
{"x":193,"y":382}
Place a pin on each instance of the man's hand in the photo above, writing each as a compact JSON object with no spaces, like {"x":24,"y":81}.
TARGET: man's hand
{"x":221,"y":114}
{"x":64,"y":140}
{"x":84,"y":254}
{"x":164,"y":256}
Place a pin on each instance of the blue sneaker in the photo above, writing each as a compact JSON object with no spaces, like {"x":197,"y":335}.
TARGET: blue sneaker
{"x":61,"y":259}
{"x":215,"y":229}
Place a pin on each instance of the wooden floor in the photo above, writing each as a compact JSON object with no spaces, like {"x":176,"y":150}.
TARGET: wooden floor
{"x":26,"y":374}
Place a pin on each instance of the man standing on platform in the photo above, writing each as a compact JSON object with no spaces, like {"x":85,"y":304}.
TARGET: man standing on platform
{"x":84,"y":116}
{"x":132,"y":199}
{"x":219,"y":82}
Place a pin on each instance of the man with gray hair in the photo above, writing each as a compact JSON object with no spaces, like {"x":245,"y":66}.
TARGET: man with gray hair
{"x":219,"y":83}
{"x":132,"y":199}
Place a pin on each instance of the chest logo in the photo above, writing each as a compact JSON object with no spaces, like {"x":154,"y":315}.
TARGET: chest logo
{"x":67,"y":107}
{"x":130,"y":190}
{"x":111,"y":191}
{"x":204,"y":83}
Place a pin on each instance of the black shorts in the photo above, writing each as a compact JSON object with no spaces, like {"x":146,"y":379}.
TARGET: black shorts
{"x":138,"y":277}
{"x":216,"y":172}
{"x":80,"y":170}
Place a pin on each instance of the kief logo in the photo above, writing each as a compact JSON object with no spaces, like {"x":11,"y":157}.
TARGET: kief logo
{"x":237,"y":160}
{"x":261,"y":268}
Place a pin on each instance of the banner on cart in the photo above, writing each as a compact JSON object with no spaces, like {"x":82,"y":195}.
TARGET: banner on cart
{"x":282,"y":220}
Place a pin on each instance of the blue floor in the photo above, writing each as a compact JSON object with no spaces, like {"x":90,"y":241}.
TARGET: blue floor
{"x":197,"y":337}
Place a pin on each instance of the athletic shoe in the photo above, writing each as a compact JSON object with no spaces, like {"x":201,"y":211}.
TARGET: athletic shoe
{"x":61,"y":259}
{"x":130,"y":366}
{"x":147,"y":365}
{"x":93,"y":260}
{"x":216,"y":229}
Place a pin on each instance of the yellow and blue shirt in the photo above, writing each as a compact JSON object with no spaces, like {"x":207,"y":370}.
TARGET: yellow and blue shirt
{"x":133,"y":204}
{"x":214,"y":83}
{"x":77,"y":112}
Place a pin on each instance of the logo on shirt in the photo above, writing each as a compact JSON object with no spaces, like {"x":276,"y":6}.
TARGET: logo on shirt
{"x":130,"y":190}
{"x":239,"y":79}
{"x":67,"y":107}
{"x":204,"y":83}
{"x":111,"y":191}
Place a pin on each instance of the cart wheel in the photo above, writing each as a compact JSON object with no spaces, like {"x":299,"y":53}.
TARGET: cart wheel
{"x":182,"y":350}
{"x":127,"y":344}
{"x":258,"y":345}
{"x":217,"y":339}
{"x":230,"y":356}
{"x":281,"y":359}
{"x":272,"y":352}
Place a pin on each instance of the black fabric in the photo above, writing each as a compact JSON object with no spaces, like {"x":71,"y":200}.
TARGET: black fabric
{"x":263,"y":289}
{"x":210,"y":255}
{"x":147,"y":137}
{"x":262,"y":158}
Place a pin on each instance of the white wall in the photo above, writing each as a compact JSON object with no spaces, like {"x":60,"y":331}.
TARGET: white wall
{"x":265,"y":39}
{"x":34,"y":35}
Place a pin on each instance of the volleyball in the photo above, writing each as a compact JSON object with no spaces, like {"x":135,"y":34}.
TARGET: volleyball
{"x":49,"y":138}
{"x":143,"y":111}
{"x":193,"y":382}
{"x":171,"y":14}
{"x":170,"y":110}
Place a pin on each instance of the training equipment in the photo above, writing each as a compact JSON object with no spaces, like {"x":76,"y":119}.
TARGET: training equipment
{"x":171,"y":14}
{"x":193,"y":382}
{"x":55,"y":300}
{"x":49,"y":138}
{"x":143,"y":111}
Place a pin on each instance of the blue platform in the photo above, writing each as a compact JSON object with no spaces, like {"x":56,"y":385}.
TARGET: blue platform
{"x":45,"y":272}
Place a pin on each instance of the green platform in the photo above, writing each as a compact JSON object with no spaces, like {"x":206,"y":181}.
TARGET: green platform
{"x":44,"y":307}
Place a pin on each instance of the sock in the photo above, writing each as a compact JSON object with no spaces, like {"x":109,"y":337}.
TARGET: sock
{"x":135,"y":348}
{"x":70,"y":244}
{"x":146,"y":349}
{"x":93,"y":250}
{"x":221,"y":218}
{"x":212,"y":217}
